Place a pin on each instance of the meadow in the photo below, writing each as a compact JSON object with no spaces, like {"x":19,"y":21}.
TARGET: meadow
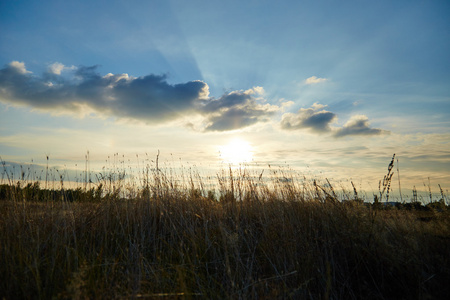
{"x":170,"y":236}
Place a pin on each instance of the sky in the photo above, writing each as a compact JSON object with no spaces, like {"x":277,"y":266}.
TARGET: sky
{"x":330,"y":89}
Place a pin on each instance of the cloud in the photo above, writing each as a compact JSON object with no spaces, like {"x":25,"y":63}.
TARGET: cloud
{"x":56,"y":68}
{"x":18,"y":67}
{"x":309,"y":118}
{"x":237,"y":109}
{"x":318,"y":120}
{"x":150,"y":98}
{"x":314,"y":80}
{"x":358,"y":125}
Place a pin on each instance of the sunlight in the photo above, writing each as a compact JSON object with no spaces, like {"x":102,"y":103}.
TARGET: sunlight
{"x":237,"y":151}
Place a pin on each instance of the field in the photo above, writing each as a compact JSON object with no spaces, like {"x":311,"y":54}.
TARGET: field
{"x":175,"y":239}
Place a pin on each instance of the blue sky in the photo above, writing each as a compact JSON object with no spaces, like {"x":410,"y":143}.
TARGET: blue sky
{"x":333,"y":86}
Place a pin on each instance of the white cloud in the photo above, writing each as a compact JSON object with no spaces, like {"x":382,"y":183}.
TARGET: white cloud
{"x":255,"y":90}
{"x":317,"y":106}
{"x":314,"y":80}
{"x":19,"y":67}
{"x":56,"y":68}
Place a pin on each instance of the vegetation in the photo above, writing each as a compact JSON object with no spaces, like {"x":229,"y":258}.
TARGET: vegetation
{"x":250,"y":239}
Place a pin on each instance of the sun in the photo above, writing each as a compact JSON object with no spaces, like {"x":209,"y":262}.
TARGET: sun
{"x":236,"y":152}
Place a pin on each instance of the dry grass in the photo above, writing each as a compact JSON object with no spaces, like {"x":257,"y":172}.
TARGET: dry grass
{"x":253,"y":240}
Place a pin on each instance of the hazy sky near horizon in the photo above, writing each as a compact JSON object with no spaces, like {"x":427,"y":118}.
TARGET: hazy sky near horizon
{"x":331,"y":86}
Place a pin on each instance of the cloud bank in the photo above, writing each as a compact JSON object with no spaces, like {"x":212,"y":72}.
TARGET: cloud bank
{"x":318,"y":120}
{"x":151,"y":99}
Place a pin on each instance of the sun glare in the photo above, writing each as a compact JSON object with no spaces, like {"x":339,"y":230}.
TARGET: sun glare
{"x":237,"y":151}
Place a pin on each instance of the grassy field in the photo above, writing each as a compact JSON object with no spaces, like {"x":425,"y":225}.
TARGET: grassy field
{"x":247,"y":240}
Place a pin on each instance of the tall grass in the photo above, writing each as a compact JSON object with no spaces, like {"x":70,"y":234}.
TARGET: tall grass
{"x":251,"y":239}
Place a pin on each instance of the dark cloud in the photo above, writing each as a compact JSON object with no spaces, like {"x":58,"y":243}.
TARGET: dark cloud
{"x":232,"y":99}
{"x":152,"y":99}
{"x":358,"y":125}
{"x":310,"y":118}
{"x":235,"y":118}
{"x":318,"y":120}
{"x":87,"y":72}
{"x":149,"y":98}
{"x":236,"y":110}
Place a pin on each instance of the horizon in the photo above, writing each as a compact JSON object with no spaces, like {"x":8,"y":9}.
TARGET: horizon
{"x":326,"y":89}
{"x":130,"y":177}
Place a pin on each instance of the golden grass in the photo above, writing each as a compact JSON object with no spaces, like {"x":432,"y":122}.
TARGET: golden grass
{"x":251,"y":240}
